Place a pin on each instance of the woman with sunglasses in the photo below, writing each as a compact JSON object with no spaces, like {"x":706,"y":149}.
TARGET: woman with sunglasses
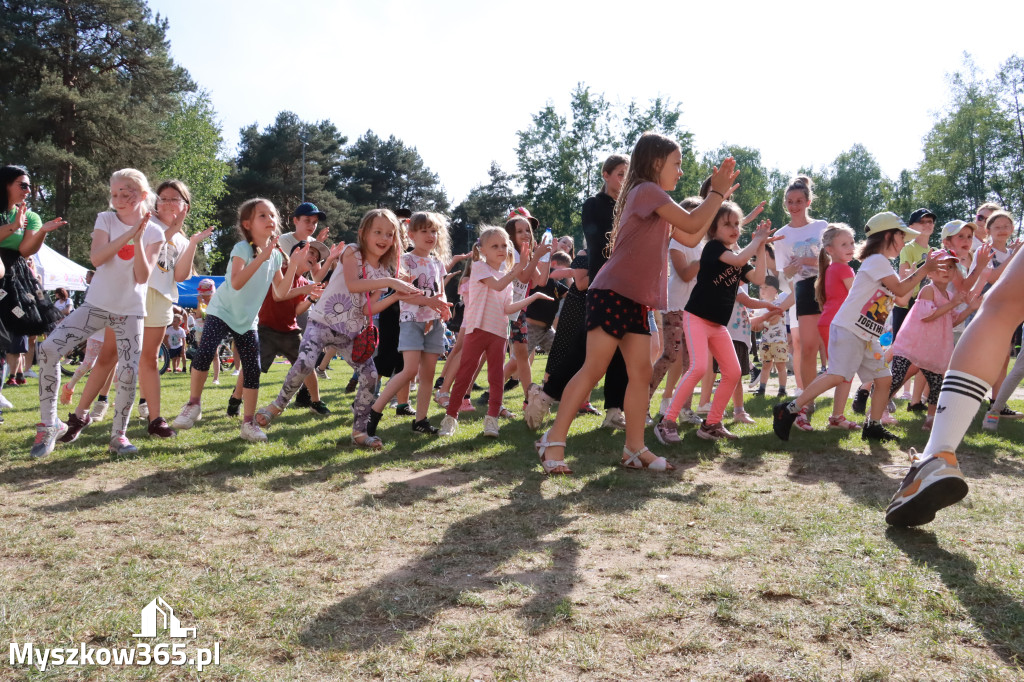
{"x":24,"y":311}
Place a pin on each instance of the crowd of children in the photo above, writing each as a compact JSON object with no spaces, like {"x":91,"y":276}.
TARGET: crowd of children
{"x":594,"y":312}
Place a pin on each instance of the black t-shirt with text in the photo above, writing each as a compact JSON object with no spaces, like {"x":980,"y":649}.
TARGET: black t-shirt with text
{"x":714,"y":294}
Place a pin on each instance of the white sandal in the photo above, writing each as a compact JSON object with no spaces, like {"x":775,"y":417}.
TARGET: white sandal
{"x":549,"y":465}
{"x":367,"y":442}
{"x":631,"y":460}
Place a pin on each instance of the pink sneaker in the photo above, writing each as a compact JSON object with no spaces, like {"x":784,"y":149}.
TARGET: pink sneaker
{"x":467,"y":406}
{"x":889,"y":420}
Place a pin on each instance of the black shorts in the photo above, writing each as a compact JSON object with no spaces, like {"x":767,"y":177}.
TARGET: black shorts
{"x":806,"y":301}
{"x":175,"y":352}
{"x":742,"y":354}
{"x":616,"y":314}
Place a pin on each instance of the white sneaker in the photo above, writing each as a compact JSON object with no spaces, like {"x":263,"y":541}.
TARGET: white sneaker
{"x":31,"y":374}
{"x":253,"y":433}
{"x":188,"y":417}
{"x":5,"y":404}
{"x":690,"y":417}
{"x":121,"y":446}
{"x":448,"y":426}
{"x":235,"y":373}
{"x":99,"y":410}
{"x":490,"y":427}
{"x":614,"y":419}
{"x":320,"y":374}
{"x":704,"y":409}
{"x":46,"y":438}
{"x":144,"y":412}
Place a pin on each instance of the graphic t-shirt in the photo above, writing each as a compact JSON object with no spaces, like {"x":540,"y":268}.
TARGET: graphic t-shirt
{"x":799,"y":242}
{"x":776,"y":331}
{"x":113,"y":287}
{"x":715,"y":292}
{"x":739,"y":323}
{"x":427,"y":276}
{"x":162,"y":277}
{"x":868,"y":304}
{"x":175,"y":337}
{"x":340,"y":309}
{"x":519,"y":289}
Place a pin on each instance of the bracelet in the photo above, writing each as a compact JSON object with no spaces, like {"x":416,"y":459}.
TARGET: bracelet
{"x":718,"y":193}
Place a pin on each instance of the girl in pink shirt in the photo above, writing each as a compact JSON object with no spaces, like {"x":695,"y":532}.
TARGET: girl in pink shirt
{"x":833,"y":284}
{"x":632,"y":282}
{"x":485,"y":322}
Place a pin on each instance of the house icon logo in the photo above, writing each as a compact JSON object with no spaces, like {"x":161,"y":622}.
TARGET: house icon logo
{"x":158,"y":615}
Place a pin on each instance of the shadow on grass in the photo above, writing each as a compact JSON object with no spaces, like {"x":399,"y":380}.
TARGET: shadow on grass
{"x":998,"y":614}
{"x":469,"y":559}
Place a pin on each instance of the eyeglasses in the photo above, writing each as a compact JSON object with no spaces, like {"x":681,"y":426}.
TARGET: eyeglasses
{"x":25,"y":186}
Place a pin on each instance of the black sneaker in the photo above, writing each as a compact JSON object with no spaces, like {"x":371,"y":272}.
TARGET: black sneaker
{"x":917,"y":407}
{"x":875,"y":431}
{"x":477,"y":387}
{"x":404,"y":410}
{"x":510,"y":384}
{"x":319,"y":407}
{"x":760,"y":391}
{"x":75,"y":426}
{"x":439,"y":382}
{"x":781,"y":393}
{"x":233,"y":405}
{"x":423,"y":426}
{"x":782,"y":420}
{"x":483,"y":398}
{"x":860,"y":400}
{"x":352,"y":383}
{"x":371,"y":425}
{"x":302,"y":398}
{"x":1007,"y":413}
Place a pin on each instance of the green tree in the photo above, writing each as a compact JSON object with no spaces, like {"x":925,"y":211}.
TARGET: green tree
{"x":269,"y":164}
{"x":380,"y":173}
{"x":1009,"y":184}
{"x":86,"y":85}
{"x":753,"y":179}
{"x":196,"y":158}
{"x":662,"y":116}
{"x":855,"y":187}
{"x":900,"y":195}
{"x":487,"y":204}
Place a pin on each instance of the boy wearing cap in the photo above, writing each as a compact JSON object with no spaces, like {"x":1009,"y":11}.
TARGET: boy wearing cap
{"x":306,"y":218}
{"x":853,"y":347}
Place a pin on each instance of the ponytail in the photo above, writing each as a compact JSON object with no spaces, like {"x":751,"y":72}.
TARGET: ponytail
{"x":824,"y":260}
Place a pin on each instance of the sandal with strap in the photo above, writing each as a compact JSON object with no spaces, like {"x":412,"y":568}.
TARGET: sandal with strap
{"x":551,"y":466}
{"x":632,"y":460}
{"x":367,"y":442}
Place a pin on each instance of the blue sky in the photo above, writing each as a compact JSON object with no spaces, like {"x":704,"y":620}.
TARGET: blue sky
{"x":458,"y":79}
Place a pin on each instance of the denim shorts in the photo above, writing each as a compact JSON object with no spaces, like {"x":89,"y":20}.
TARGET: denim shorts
{"x":411,"y":336}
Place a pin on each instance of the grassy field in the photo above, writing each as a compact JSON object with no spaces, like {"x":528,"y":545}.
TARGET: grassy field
{"x":457,"y":559}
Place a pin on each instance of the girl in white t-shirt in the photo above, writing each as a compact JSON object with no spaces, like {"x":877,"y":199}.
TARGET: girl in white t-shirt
{"x":853,"y":346}
{"x":124,"y":249}
{"x":173,"y":265}
{"x":797,"y":257}
{"x":421,"y":317}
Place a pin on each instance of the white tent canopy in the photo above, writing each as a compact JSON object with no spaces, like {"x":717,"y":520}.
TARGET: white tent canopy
{"x":58,"y":271}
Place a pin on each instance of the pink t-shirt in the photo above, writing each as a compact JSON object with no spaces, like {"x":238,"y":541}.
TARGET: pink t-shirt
{"x":485,"y":307}
{"x":835,"y":291}
{"x":638,"y":267}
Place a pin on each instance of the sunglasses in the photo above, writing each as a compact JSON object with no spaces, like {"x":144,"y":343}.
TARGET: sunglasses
{"x":981,"y":218}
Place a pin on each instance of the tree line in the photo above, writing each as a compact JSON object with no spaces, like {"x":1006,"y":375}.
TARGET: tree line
{"x":90,"y":87}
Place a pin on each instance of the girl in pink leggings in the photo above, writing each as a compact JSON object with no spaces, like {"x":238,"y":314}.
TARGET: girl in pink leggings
{"x":706,"y":314}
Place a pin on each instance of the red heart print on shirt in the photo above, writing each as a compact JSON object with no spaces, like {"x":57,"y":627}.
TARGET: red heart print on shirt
{"x":127,"y":251}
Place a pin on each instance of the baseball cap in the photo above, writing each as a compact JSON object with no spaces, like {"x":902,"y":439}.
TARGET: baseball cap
{"x":521,"y":212}
{"x":885,"y":221}
{"x":943,"y":254}
{"x":953,"y":228}
{"x":920,"y":213}
{"x":308,"y":208}
{"x":205,"y":286}
{"x":321,"y":249}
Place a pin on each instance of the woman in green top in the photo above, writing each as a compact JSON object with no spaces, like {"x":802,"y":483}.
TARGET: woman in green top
{"x":24,"y":310}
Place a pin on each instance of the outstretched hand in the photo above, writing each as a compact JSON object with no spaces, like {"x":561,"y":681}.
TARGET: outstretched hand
{"x":203,"y":235}
{"x":722,"y":178}
{"x":53,"y":225}
{"x":758,"y":210}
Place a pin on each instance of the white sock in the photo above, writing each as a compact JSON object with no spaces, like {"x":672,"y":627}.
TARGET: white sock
{"x":959,"y":399}
{"x":665,"y":404}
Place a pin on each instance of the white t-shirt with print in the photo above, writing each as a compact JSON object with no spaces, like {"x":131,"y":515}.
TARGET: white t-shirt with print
{"x":739,"y":323}
{"x":428,"y":276}
{"x":175,"y":337}
{"x":113,"y":287}
{"x":519,"y":289}
{"x":869,"y":303}
{"x":679,"y":290}
{"x":776,"y":332}
{"x":799,"y":242}
{"x":162,"y":277}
